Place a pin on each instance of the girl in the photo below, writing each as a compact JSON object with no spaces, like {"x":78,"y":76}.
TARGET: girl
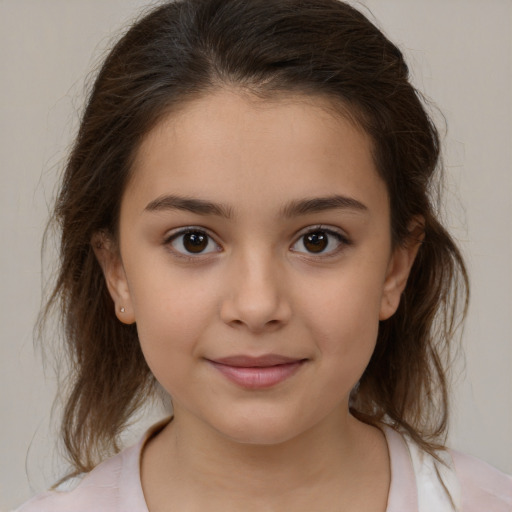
{"x":247,"y":225}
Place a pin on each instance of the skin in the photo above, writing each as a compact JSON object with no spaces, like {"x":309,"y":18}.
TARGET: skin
{"x":255,"y":290}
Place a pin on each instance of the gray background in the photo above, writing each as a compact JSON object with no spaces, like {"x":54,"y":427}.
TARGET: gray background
{"x":461,"y":56}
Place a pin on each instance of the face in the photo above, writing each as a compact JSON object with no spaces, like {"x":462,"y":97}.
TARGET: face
{"x":255,"y":258}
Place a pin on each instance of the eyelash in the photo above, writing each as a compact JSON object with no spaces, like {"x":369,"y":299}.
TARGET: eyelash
{"x":341,"y":239}
{"x":189,"y":256}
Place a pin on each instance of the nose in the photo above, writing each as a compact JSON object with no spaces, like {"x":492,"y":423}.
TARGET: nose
{"x":256,"y":295}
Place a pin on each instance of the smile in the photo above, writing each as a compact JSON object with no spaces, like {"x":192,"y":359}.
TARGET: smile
{"x":257,"y":372}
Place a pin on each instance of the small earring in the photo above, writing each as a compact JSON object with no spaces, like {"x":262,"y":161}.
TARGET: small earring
{"x":122,"y":310}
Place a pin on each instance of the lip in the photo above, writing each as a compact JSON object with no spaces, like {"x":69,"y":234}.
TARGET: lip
{"x":257,"y":372}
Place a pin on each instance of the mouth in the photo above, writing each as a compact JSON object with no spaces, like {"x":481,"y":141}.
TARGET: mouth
{"x":257,"y":372}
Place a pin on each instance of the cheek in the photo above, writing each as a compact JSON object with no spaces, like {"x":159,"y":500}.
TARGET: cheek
{"x":169,"y":321}
{"x":343,"y":317}
{"x":168,"y":338}
{"x":166,"y":296}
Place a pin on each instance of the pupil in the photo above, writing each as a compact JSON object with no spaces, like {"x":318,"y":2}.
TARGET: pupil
{"x":195,"y":242}
{"x":316,"y":242}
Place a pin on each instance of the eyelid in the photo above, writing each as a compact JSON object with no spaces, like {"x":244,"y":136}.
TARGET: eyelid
{"x":341,"y":237}
{"x":337,"y":233}
{"x":176,"y":233}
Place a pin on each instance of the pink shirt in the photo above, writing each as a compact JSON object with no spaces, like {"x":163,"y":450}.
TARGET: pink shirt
{"x":114,"y":485}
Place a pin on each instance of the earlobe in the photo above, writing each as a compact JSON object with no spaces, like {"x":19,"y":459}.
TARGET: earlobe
{"x":108,"y":257}
{"x":399,"y":268}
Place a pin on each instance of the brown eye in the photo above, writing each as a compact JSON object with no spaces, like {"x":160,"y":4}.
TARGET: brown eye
{"x":195,"y":242}
{"x":321,"y":242}
{"x":316,"y":242}
{"x":192,"y":241}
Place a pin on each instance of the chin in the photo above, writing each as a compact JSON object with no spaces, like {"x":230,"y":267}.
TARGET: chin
{"x":260,"y":429}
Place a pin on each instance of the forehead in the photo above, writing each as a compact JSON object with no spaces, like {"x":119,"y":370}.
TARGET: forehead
{"x":244,"y":151}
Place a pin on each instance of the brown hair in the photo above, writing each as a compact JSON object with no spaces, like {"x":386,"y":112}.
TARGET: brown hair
{"x":185,"y":49}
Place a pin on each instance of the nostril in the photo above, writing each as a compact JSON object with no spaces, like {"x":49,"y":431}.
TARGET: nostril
{"x":256,"y":305}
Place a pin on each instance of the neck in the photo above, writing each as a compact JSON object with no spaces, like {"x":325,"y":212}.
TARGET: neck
{"x":339,"y":453}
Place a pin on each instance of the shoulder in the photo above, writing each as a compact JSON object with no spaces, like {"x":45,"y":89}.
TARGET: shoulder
{"x":113,"y":485}
{"x":482,"y":486}
{"x":104,"y":489}
{"x":449,"y":482}
{"x":97,"y":490}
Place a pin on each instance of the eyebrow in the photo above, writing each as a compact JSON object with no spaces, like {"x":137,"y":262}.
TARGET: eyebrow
{"x":320,"y":204}
{"x":193,"y":205}
{"x":292,"y":209}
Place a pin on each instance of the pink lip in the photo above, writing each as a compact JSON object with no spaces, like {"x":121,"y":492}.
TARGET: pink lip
{"x":257,"y":372}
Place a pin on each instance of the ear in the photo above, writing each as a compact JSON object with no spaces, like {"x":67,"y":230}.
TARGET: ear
{"x":399,"y":268}
{"x":109,"y":258}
